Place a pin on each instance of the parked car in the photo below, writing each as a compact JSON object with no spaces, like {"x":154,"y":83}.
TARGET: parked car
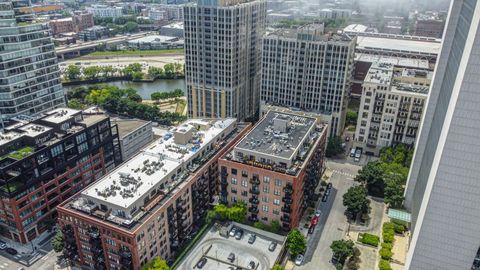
{"x":311,"y":229}
{"x":11,"y":251}
{"x":325,"y":197}
{"x":239,"y":234}
{"x":3,"y":245}
{"x":232,"y":231}
{"x":231,"y":257}
{"x":314,"y":221}
{"x":318,"y":213}
{"x":329,"y":185}
{"x":352,"y":152}
{"x":201,"y":263}
{"x":347,"y":139}
{"x":299,"y":259}
{"x":251,"y":264}
{"x":272,"y":246}
{"x":252,"y":238}
{"x":327,"y":192}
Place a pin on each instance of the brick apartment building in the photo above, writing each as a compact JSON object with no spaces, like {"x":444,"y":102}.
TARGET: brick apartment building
{"x":153,"y":203}
{"x":275,"y":168}
{"x":77,"y":23}
{"x":47,"y":160}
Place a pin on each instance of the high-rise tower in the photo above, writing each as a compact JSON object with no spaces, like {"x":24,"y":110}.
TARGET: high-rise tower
{"x":223,"y":52}
{"x":443,"y":190}
{"x":29,"y":72}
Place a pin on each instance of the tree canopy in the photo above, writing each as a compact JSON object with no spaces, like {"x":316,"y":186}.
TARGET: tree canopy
{"x":236,"y":212}
{"x":58,"y":241}
{"x":334,"y":146}
{"x":156,"y":264}
{"x":342,"y":249}
{"x":356,"y":201}
{"x":296,"y":242}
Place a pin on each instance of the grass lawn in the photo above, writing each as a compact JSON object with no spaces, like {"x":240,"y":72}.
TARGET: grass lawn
{"x":138,"y":53}
{"x":20,"y":153}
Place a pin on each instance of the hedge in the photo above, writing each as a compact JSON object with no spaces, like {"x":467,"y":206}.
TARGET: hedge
{"x":384,"y":265}
{"x":370,"y":239}
{"x":387,"y":245}
{"x":385,"y":253}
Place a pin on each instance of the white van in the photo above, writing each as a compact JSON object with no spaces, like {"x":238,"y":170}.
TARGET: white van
{"x":352,"y":152}
{"x":358,"y":154}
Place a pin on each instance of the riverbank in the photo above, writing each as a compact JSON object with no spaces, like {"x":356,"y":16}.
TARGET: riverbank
{"x":137,"y":53}
{"x":144,"y":89}
{"x":114,"y":79}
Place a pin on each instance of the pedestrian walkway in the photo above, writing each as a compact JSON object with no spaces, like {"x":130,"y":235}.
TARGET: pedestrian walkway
{"x":344,"y":173}
{"x":29,"y":253}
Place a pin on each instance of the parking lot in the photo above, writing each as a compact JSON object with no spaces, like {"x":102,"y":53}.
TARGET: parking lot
{"x":216,"y":249}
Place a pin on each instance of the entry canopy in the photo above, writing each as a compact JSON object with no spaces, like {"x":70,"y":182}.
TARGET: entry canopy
{"x":399,"y":215}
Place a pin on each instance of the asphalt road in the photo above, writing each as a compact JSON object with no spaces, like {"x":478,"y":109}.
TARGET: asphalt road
{"x":332,"y":223}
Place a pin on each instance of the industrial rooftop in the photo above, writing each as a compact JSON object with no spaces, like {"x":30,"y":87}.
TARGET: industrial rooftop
{"x":279,"y":139}
{"x":156,"y":171}
{"x":399,"y":45}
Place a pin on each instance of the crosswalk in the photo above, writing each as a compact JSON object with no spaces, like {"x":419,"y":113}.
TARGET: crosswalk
{"x":3,"y":266}
{"x":344,"y":173}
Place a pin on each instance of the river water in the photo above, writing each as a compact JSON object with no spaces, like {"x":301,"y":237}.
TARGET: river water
{"x":144,"y":89}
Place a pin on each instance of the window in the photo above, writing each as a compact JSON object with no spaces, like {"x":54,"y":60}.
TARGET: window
{"x":81,"y":138}
{"x":244,"y":193}
{"x":277,"y":192}
{"x":278,"y":182}
{"x":234,"y":181}
{"x":244,"y":183}
{"x":276,"y":201}
{"x":266,"y":189}
{"x":234,"y":190}
{"x":244,"y":174}
{"x":265,"y":208}
{"x":265,"y":199}
{"x":110,"y":242}
{"x":266,"y":179}
{"x":234,"y":171}
{"x":56,"y":150}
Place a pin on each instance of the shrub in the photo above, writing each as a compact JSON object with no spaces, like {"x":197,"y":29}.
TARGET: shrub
{"x":388,"y":226}
{"x":384,"y":265}
{"x":387,"y":245}
{"x":385,"y":253}
{"x":370,"y":239}
{"x":323,"y":183}
{"x":388,"y":236}
{"x":399,"y":228}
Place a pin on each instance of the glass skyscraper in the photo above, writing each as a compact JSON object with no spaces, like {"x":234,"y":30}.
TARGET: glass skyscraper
{"x":443,"y":189}
{"x":29,"y":72}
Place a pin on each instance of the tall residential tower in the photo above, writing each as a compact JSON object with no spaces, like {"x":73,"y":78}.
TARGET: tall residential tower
{"x":222,"y":51}
{"x":309,"y":70}
{"x":29,"y":73}
{"x":443,"y":189}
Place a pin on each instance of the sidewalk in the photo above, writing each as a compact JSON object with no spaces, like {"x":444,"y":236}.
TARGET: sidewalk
{"x":29,"y":253}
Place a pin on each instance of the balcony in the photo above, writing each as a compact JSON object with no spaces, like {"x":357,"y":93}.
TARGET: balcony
{"x":288,"y":189}
{"x":285,"y":218}
{"x":286,"y":209}
{"x":254,"y":200}
{"x":253,"y":209}
{"x":255,"y":181}
{"x":255,"y":191}
{"x":287,"y":200}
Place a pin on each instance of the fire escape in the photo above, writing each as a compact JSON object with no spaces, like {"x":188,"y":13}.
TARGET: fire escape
{"x":182,"y":222}
{"x":224,"y":185}
{"x":254,"y":191}
{"x":70,"y":250}
{"x":172,"y":228}
{"x":287,"y":206}
{"x":312,"y":178}
{"x":126,"y":258}
{"x":200,"y":200}
{"x":96,"y":248}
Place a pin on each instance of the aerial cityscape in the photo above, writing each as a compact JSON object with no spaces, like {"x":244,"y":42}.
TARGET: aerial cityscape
{"x":239,"y":134}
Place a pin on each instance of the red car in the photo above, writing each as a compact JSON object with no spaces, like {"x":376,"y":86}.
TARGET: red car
{"x":314,"y":221}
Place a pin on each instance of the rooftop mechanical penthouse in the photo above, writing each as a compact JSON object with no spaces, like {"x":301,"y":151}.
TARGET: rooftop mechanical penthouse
{"x":46,"y":160}
{"x":153,"y":203}
{"x":276,"y":168}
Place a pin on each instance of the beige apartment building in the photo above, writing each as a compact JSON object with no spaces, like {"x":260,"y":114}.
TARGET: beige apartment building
{"x":391,"y":107}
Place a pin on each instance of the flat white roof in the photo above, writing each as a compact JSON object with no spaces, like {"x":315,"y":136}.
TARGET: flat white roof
{"x":397,"y":61}
{"x":400,"y":45}
{"x":154,"y":166}
{"x":59,"y":115}
{"x":176,"y":25}
{"x":380,"y":73}
{"x":153,"y":38}
{"x":34,"y":130}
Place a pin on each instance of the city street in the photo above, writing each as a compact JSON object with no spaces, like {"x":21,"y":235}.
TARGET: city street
{"x":335,"y":226}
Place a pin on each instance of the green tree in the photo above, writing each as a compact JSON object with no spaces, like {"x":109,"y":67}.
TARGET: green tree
{"x":342,"y":249}
{"x":75,"y":104}
{"x":352,"y":117}
{"x":334,"y":146}
{"x":169,"y":71}
{"x":277,"y":267}
{"x":131,"y":27}
{"x":356,"y":201}
{"x":394,"y":189}
{"x":73,"y":72}
{"x":58,"y":242}
{"x":156,"y":96}
{"x":296,"y":242}
{"x":137,"y":75}
{"x":155,"y":72}
{"x":92,"y":72}
{"x":371,"y":175}
{"x":156,"y":264}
